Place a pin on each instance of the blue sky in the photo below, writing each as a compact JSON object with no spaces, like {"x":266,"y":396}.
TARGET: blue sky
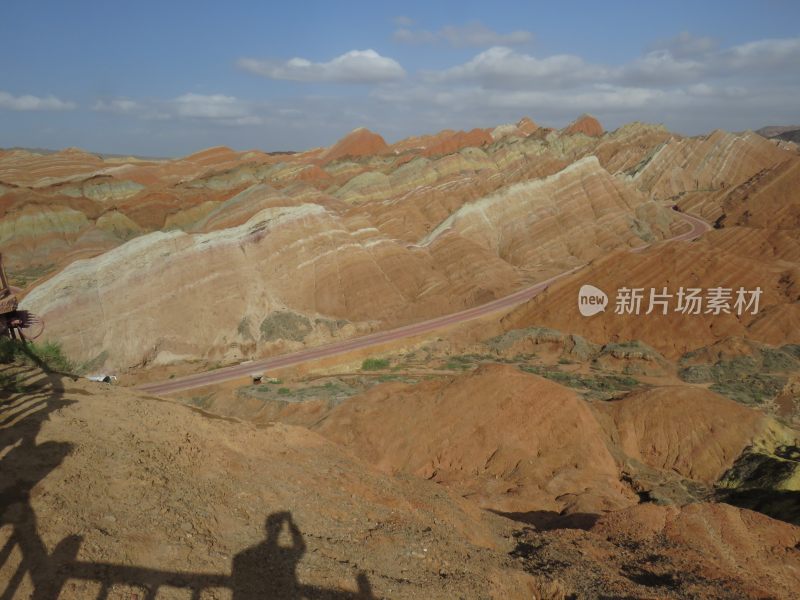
{"x":168,"y":78}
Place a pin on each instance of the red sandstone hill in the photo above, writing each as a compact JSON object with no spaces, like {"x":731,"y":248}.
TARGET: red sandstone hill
{"x":359,"y":142}
{"x":585,"y":124}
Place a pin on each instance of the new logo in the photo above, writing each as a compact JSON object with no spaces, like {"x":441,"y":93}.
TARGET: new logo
{"x":591,"y":300}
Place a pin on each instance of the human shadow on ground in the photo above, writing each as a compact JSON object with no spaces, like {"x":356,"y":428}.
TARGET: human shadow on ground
{"x":28,"y":396}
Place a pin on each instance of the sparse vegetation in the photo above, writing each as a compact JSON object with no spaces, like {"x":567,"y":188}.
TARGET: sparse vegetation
{"x":49,"y":355}
{"x":600,"y":386}
{"x":243,"y":329}
{"x":753,"y":380}
{"x":456,"y":365}
{"x":94,"y":363}
{"x":333,"y":390}
{"x":24,"y":277}
{"x":285,"y":325}
{"x":760,"y":479}
{"x":374,"y":364}
{"x":200,"y":401}
{"x":387,"y":377}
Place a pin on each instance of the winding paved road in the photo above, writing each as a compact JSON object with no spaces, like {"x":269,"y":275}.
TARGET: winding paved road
{"x":197,"y":380}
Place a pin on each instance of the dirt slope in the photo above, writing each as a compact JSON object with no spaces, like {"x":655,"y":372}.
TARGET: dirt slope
{"x":510,"y":441}
{"x":103,"y":487}
{"x":103,"y":491}
{"x":690,"y":431}
{"x":703,"y":264}
{"x":648,"y":551}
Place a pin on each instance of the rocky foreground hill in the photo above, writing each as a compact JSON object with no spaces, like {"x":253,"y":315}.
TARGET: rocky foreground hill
{"x":105,"y":491}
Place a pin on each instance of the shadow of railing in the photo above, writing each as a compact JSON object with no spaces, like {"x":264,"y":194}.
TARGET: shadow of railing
{"x":27,"y":398}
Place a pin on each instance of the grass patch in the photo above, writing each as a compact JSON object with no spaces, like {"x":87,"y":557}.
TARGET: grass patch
{"x":285,"y":325}
{"x":465,"y":361}
{"x":753,"y":389}
{"x":52,"y":355}
{"x":387,"y":377}
{"x":243,"y":329}
{"x":48,"y":355}
{"x":330,"y":390}
{"x":753,"y":380}
{"x":23,"y":277}
{"x":455,"y":365}
{"x":374,"y":364}
{"x":597,"y":386}
{"x":200,"y":401}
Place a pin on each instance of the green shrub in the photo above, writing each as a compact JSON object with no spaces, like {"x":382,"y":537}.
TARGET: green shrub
{"x":386,"y":377}
{"x":599,"y":383}
{"x":284,"y":391}
{"x":374,"y":364}
{"x":49,"y":355}
{"x":454,"y":365}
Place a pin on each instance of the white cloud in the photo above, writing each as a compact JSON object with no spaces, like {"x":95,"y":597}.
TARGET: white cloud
{"x":356,"y":66}
{"x":686,"y":45}
{"x":28,"y":102}
{"x":118,"y":106}
{"x":474,"y":34}
{"x":688,"y":81}
{"x":503,"y":67}
{"x":764,"y":54}
{"x":215,"y":106}
{"x":660,"y":67}
{"x":402,"y":21}
{"x":598,"y":97}
{"x":697,"y":61}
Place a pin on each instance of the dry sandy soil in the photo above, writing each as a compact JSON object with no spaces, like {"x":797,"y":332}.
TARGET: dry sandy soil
{"x":107,"y":491}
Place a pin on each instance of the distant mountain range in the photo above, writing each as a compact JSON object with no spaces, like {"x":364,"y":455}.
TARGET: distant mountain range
{"x":45,"y":151}
{"x":790,"y":133}
{"x":104,"y":155}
